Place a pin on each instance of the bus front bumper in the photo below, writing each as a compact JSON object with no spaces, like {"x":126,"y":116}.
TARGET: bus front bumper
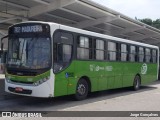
{"x":42,"y":90}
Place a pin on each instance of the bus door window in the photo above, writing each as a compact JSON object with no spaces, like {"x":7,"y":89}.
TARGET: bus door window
{"x":63,"y":53}
{"x":62,"y":50}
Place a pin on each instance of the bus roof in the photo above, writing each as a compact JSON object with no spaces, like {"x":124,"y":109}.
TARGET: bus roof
{"x":72,"y":29}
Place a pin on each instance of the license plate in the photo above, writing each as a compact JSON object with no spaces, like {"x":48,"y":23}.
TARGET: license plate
{"x":18,"y":89}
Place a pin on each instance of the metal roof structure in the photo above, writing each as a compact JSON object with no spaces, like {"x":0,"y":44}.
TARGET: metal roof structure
{"x":84,"y":14}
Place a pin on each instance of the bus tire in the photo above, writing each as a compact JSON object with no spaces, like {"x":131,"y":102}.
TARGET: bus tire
{"x":136,"y":83}
{"x":81,"y":89}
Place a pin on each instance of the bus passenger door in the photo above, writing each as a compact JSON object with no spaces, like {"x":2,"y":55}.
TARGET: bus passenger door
{"x":62,"y":52}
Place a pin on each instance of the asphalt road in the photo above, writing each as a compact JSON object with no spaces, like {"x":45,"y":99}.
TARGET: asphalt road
{"x":146,"y":99}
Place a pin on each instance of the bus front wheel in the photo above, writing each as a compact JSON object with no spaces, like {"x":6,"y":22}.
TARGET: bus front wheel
{"x":136,"y":83}
{"x":81,"y":89}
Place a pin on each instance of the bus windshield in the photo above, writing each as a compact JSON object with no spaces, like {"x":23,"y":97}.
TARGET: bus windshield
{"x":29,"y":53}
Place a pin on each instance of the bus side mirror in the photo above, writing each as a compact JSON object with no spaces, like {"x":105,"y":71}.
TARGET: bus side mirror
{"x":2,"y":44}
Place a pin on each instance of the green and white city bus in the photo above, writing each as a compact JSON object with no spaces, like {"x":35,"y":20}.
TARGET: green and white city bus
{"x":49,"y":60}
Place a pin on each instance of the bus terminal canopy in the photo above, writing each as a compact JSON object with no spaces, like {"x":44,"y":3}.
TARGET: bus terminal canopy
{"x":82,"y":14}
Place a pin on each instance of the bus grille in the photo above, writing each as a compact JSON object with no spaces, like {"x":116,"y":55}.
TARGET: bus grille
{"x":11,"y":89}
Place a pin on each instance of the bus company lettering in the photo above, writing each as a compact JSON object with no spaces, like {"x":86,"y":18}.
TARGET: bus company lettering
{"x":98,"y":68}
{"x":109,"y":68}
{"x":28,"y":29}
{"x":144,"y":69}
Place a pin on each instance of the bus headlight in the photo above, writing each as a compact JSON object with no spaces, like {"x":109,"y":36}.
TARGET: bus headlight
{"x":41,"y":81}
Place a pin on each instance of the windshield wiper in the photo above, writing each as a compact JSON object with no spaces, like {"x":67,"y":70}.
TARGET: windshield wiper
{"x":22,"y":52}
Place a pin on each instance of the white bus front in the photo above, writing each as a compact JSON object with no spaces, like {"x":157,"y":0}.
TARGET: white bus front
{"x":29,"y":60}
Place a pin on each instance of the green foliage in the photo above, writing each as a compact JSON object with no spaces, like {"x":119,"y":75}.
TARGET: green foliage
{"x":156,"y":23}
{"x":153,"y":23}
{"x":147,"y":21}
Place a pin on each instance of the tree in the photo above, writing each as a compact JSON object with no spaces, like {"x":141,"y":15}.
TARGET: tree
{"x":156,"y":23}
{"x":153,"y":23}
{"x":147,"y":21}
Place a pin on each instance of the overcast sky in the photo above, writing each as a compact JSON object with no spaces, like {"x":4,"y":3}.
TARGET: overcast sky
{"x":134,"y":8}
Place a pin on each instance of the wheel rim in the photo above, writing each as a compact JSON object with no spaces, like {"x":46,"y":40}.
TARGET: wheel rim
{"x":81,"y":89}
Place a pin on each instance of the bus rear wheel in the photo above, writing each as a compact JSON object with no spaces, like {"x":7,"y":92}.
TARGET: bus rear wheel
{"x":81,"y":89}
{"x":136,"y":83}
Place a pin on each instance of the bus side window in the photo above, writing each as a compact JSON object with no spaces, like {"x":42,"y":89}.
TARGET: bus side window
{"x":84,"y":48}
{"x":141,"y":54}
{"x":112,"y":52}
{"x":123,"y":52}
{"x":132,"y":55}
{"x":100,"y":51}
{"x":154,"y":56}
{"x":147,"y":55}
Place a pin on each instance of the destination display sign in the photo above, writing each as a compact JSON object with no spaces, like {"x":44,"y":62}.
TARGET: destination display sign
{"x":29,"y":28}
